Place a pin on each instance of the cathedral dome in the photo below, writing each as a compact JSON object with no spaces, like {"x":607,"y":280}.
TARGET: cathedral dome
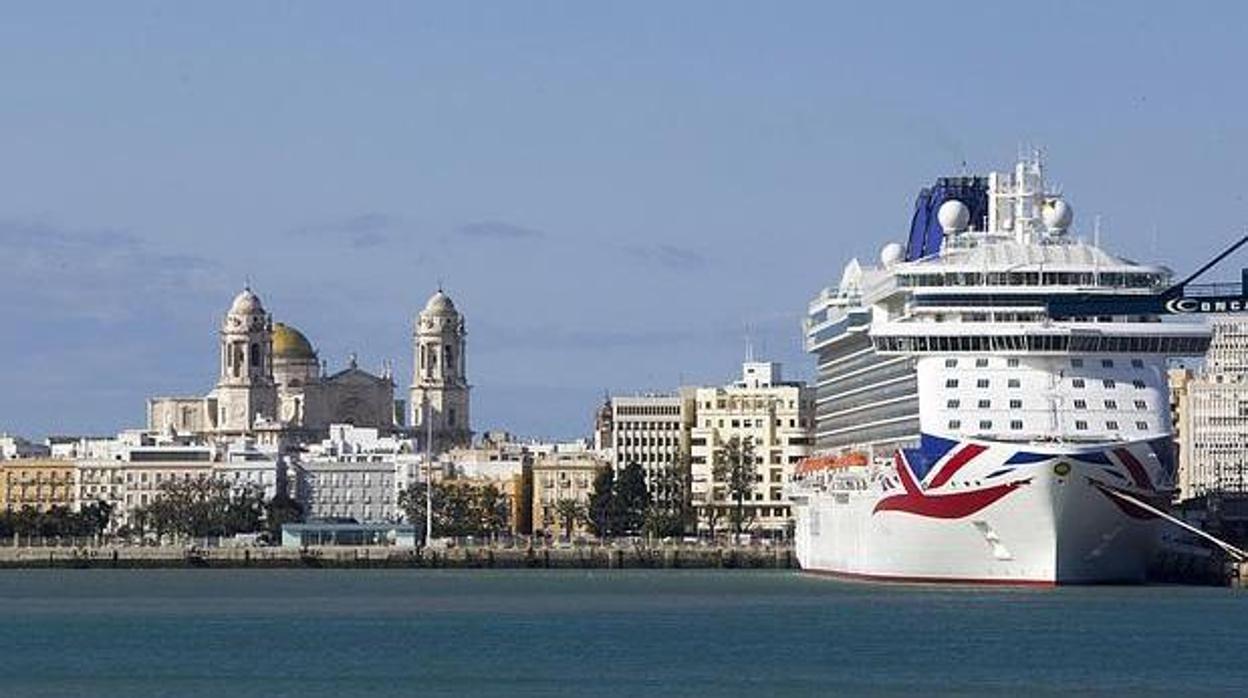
{"x":440,"y":304}
{"x":289,"y":343}
{"x":246,"y":303}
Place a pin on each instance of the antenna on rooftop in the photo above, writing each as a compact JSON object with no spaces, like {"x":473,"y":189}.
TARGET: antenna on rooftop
{"x":749,"y":344}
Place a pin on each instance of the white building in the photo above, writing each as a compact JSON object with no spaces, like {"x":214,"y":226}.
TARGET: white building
{"x":130,"y":477}
{"x":12,"y":447}
{"x":356,"y":473}
{"x":651,"y":431}
{"x":777,"y":418}
{"x":1217,"y":419}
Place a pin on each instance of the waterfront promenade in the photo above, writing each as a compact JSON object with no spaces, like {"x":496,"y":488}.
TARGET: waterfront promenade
{"x":463,"y":557}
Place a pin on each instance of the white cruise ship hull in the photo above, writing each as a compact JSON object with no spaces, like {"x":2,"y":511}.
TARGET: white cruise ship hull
{"x":1047,"y":522}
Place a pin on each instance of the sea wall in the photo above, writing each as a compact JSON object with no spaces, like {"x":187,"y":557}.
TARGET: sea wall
{"x":595,"y":557}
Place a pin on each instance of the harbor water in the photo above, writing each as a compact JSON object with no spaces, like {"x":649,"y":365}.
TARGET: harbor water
{"x":242,"y":633}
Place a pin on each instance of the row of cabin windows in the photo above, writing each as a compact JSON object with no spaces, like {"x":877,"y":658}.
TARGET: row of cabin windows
{"x":955,"y":403}
{"x":1033,"y":278}
{"x":1078,"y":343}
{"x":1109,"y":383}
{"x":1014,"y":363}
{"x":1017,"y":424}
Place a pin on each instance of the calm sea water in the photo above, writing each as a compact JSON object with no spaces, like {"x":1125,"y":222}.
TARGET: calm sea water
{"x":611,"y":633}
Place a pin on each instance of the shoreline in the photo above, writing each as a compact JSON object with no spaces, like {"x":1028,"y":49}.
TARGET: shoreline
{"x":389,"y":557}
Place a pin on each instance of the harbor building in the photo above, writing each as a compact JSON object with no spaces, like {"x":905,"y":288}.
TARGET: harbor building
{"x":1216,"y":401}
{"x":653,"y":432}
{"x":773,"y":415}
{"x":38,"y":483}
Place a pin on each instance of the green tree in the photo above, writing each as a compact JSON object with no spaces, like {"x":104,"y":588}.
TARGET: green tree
{"x":668,"y":514}
{"x":736,"y":467}
{"x":631,"y":499}
{"x":459,"y":509}
{"x":204,"y":507}
{"x":278,"y":511}
{"x":570,"y":512}
{"x":96,"y":517}
{"x":601,"y":510}
{"x":493,"y":511}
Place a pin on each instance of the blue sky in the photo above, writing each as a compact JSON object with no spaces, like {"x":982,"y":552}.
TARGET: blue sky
{"x":612,"y":192}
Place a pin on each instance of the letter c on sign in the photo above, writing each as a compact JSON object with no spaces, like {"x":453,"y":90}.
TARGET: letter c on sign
{"x":1181,"y":305}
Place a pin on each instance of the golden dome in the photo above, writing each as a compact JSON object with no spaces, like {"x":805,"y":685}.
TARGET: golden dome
{"x":289,"y":343}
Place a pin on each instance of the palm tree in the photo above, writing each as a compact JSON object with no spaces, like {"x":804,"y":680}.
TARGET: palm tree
{"x":735,"y":466}
{"x":570,"y":512}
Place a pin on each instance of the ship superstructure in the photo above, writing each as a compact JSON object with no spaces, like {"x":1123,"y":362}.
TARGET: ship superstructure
{"x":966,"y":430}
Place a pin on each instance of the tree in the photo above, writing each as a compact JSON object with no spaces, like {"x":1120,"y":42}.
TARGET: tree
{"x":668,"y":514}
{"x":203,"y":507}
{"x":493,"y":510}
{"x":280,"y":510}
{"x":632,"y":499}
{"x":570,"y":512}
{"x":459,"y":509}
{"x":600,"y":512}
{"x":735,"y":466}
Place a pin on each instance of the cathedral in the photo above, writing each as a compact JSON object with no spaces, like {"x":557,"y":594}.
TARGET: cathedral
{"x":273,"y":386}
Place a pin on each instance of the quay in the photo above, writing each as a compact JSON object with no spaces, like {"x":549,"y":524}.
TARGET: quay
{"x":391,"y":557}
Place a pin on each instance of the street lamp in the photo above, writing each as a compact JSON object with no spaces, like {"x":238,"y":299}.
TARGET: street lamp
{"x":428,"y":471}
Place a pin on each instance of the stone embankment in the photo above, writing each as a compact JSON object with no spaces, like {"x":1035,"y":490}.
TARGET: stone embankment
{"x":595,"y":557}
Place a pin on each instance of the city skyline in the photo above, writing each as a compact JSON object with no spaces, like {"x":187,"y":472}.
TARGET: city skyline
{"x":612,"y":198}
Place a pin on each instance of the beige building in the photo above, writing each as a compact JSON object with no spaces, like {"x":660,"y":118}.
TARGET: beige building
{"x":562,"y":475}
{"x":1180,"y":380}
{"x":39,"y":483}
{"x":777,"y":418}
{"x":1213,"y":435}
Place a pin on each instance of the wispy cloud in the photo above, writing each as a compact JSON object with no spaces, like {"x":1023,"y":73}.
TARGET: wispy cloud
{"x":101,"y":274}
{"x":361,"y":231}
{"x":667,"y":256}
{"x":498,"y":230}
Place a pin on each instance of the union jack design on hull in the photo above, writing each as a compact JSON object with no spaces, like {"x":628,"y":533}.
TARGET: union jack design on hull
{"x":975,"y":511}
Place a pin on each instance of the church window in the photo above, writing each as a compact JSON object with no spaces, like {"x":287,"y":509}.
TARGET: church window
{"x":450,"y":417}
{"x":255,"y":355}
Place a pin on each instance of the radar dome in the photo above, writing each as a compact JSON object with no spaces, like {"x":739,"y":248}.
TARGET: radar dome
{"x":891,"y":254}
{"x":1057,"y":215}
{"x":953,"y":216}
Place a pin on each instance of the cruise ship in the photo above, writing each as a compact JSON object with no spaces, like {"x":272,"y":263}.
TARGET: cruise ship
{"x":991,"y":399}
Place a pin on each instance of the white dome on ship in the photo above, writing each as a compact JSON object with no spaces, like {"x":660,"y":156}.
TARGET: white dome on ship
{"x":1057,"y":214}
{"x":953,"y":216}
{"x":891,"y":254}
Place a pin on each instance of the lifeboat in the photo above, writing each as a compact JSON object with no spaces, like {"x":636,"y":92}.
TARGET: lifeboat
{"x":816,"y":464}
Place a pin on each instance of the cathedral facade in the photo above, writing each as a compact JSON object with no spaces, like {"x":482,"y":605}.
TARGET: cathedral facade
{"x":273,"y":385}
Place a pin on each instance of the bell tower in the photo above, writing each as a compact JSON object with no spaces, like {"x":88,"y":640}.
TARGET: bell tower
{"x":439,"y":374}
{"x":246,"y":390}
